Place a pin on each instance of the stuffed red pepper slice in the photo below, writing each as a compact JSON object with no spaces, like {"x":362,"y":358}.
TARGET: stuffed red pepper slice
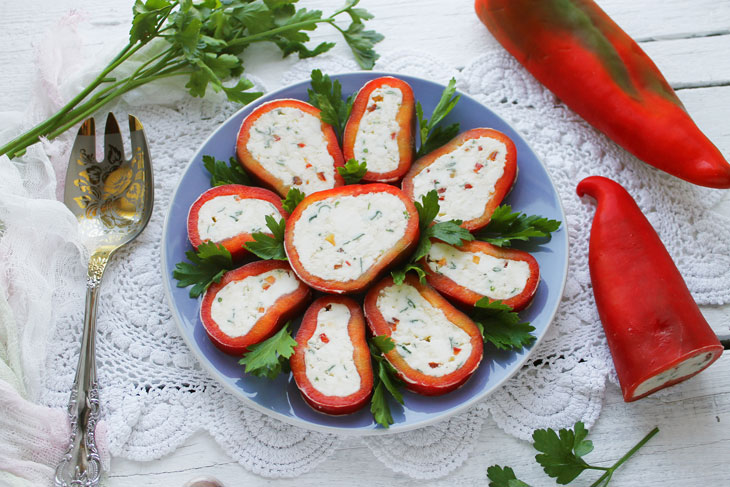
{"x":478,"y":269}
{"x":339,"y":241}
{"x":251,"y":303}
{"x":471,"y":174}
{"x":230,"y":214}
{"x":437,"y":347}
{"x":331,"y":362}
{"x":285,"y":144}
{"x":380,"y":130}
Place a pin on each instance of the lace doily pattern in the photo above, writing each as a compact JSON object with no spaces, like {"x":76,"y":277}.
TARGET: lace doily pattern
{"x":154,"y":394}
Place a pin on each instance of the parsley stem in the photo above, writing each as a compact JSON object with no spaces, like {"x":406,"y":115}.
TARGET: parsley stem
{"x":609,"y":471}
{"x":284,"y":28}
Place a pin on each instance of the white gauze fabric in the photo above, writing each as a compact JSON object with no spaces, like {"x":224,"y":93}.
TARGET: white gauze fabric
{"x":154,"y":393}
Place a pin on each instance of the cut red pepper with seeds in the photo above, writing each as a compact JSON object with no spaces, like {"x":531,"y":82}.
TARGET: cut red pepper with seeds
{"x":476,"y":269}
{"x":228,"y":215}
{"x":251,"y":303}
{"x":284,"y":144}
{"x":341,"y":240}
{"x":381,"y":129}
{"x":655,"y":330}
{"x":581,"y":55}
{"x":331,"y":362}
{"x":437,"y":347}
{"x":470,"y":184}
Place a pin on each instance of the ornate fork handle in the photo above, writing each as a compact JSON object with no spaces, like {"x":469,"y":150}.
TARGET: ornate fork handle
{"x":81,"y":465}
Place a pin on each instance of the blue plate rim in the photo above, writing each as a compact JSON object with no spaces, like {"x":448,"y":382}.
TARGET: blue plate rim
{"x":352,"y":432}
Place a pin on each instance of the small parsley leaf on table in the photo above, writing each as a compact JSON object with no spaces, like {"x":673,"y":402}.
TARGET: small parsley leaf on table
{"x":267,"y":246}
{"x":293,"y":197}
{"x":326,"y":94}
{"x":222,"y":173}
{"x":353,"y":171}
{"x":385,"y":380}
{"x":503,"y":477}
{"x":506,"y":226}
{"x":432,"y":135}
{"x":270,"y":357}
{"x":207,"y":265}
{"x":501,"y":325}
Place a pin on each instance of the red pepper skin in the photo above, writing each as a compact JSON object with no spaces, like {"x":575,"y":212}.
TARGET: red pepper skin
{"x":466,"y":296}
{"x":399,"y":251}
{"x":361,"y":355}
{"x":284,"y":309}
{"x":581,"y":55}
{"x":406,"y":119}
{"x":414,"y":380}
{"x":501,"y":188}
{"x":253,"y":167}
{"x":235,"y":244}
{"x":652,"y":323}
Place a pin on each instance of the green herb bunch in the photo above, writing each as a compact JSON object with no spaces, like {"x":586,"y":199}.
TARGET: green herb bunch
{"x":203,"y":41}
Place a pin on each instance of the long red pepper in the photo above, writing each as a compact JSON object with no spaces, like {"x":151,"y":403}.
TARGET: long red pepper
{"x":594,"y":67}
{"x":656,"y":332}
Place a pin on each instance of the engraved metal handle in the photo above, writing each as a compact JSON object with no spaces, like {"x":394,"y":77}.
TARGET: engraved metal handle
{"x":81,"y":465}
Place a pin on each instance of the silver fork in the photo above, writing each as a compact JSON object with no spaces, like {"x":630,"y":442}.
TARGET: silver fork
{"x":112,"y":200}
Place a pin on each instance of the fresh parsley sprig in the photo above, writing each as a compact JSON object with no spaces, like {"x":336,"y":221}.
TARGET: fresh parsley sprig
{"x":202,"y":41}
{"x":449,"y":232}
{"x":266,"y":246}
{"x":506,"y":226}
{"x":326,"y":94}
{"x":432,"y":134}
{"x":501,"y":325}
{"x":222,"y":173}
{"x":353,"y":171}
{"x":561,"y":456}
{"x":293,"y":197}
{"x":270,"y":357}
{"x":386,"y":380}
{"x":207,"y":265}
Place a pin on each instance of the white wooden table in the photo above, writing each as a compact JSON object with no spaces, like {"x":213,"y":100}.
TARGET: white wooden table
{"x":688,"y":39}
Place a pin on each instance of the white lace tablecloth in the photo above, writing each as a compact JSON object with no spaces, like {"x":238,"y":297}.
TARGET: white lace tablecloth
{"x":154,"y":394}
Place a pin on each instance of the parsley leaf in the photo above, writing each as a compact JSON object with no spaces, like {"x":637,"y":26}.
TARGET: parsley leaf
{"x":450,"y":232}
{"x":293,"y":197}
{"x":561,"y":453}
{"x":503,"y":477}
{"x":353,"y":171}
{"x":433,"y":136}
{"x":222,"y":173}
{"x":267,"y":246}
{"x":386,"y":380}
{"x":361,"y":43}
{"x":207,"y":265}
{"x":501,"y":326}
{"x":506,"y":226}
{"x":270,"y":357}
{"x":326,"y":94}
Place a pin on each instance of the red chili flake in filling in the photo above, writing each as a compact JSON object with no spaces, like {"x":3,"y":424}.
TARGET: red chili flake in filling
{"x":262,"y":309}
{"x":277,"y":138}
{"x":457,"y":350}
{"x":441,"y":190}
{"x":468,"y":186}
{"x":337,"y":266}
{"x":493,"y":156}
{"x":441,"y":198}
{"x":392,"y":136}
{"x":377,"y":98}
{"x":307,"y":166}
{"x":324,"y":338}
{"x":347,"y":262}
{"x":301,"y":144}
{"x":433,"y":365}
{"x":297,"y":180}
{"x":480,"y":148}
{"x":371,"y":107}
{"x":321,"y":177}
{"x":478,"y":166}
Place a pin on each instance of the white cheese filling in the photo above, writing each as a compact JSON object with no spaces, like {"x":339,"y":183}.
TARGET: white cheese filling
{"x":290,"y":144}
{"x":226,"y":216}
{"x":238,"y":306}
{"x":329,"y":359}
{"x":422,"y":333}
{"x":341,"y":237}
{"x":683,"y":369}
{"x":479,"y":272}
{"x":464,"y":178}
{"x":376,"y":141}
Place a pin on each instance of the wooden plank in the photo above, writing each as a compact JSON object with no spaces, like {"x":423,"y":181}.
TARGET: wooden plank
{"x":692,"y":448}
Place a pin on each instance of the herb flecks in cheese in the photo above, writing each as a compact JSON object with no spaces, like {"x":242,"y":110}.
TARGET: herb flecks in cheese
{"x":482,"y":273}
{"x":376,"y":141}
{"x":342,"y":237}
{"x":423,"y":335}
{"x":329,"y":360}
{"x":683,"y":369}
{"x":239,"y":305}
{"x":226,"y":216}
{"x":290,"y":144}
{"x":464,"y":178}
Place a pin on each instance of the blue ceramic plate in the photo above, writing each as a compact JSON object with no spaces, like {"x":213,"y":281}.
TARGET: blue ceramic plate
{"x":533,"y":193}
